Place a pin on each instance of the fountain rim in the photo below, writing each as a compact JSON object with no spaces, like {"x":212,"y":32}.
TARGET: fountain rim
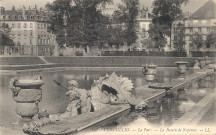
{"x":181,"y":62}
{"x":150,"y":65}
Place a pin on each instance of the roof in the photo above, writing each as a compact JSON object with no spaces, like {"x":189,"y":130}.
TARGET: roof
{"x":207,"y":11}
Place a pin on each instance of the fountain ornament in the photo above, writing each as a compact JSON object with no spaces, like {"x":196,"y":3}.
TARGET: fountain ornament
{"x":149,"y":71}
{"x":182,"y":67}
{"x":196,"y":65}
{"x":27,"y":94}
{"x":207,"y":60}
{"x":202,"y":62}
{"x":107,"y":91}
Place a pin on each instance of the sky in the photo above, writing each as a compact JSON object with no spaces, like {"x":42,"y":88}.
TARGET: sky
{"x":192,"y":6}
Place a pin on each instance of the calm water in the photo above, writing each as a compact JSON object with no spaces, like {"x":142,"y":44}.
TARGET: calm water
{"x":163,"y":111}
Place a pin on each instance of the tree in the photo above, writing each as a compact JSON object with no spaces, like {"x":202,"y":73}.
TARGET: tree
{"x":77,"y":21}
{"x":210,"y":39}
{"x":198,"y":40}
{"x":179,"y":37}
{"x":127,"y":15}
{"x":5,"y":35}
{"x":157,"y":34}
{"x":165,"y":13}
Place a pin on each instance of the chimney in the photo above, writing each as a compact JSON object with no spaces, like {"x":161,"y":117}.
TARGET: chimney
{"x":146,"y":12}
{"x":13,"y":7}
{"x":23,"y":12}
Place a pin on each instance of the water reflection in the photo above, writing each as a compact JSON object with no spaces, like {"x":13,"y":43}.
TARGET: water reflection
{"x":54,"y":100}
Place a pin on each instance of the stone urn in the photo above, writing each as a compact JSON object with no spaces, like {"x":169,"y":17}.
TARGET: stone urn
{"x":207,"y":60}
{"x":27,"y":93}
{"x":149,"y":71}
{"x":196,"y":65}
{"x":182,"y":67}
{"x":202,"y":62}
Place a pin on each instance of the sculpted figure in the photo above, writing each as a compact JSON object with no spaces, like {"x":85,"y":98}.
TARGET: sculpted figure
{"x":112,"y":89}
{"x":196,"y":65}
{"x":79,"y":102}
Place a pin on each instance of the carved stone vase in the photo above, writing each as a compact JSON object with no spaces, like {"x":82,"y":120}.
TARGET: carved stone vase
{"x":207,"y":60}
{"x":27,"y":93}
{"x":202,"y":62}
{"x":149,"y":71}
{"x":182,"y":67}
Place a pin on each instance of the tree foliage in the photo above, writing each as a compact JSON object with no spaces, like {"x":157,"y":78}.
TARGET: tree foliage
{"x":77,"y":21}
{"x":179,"y":33}
{"x":165,"y":12}
{"x":5,"y":35}
{"x":127,"y":15}
{"x":198,"y":40}
{"x":210,"y":39}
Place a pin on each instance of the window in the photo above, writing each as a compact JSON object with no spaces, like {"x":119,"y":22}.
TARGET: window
{"x":13,"y":25}
{"x":208,"y":45}
{"x":175,"y":38}
{"x":41,"y":26}
{"x":19,"y":33}
{"x":199,"y":30}
{"x":191,"y":45}
{"x":31,"y":25}
{"x":19,"y":25}
{"x":12,"y":34}
{"x":38,"y":26}
{"x":190,"y":38}
{"x":191,"y":29}
{"x":25,"y":25}
{"x":208,"y":29}
{"x":199,"y":22}
{"x":30,"y":41}
{"x":25,"y":33}
{"x":150,"y":25}
{"x":31,"y":33}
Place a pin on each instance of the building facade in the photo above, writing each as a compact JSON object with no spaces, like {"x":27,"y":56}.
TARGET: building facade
{"x":144,"y":21}
{"x":29,"y":29}
{"x":199,"y":26}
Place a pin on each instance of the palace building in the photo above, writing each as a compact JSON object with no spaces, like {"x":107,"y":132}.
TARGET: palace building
{"x":29,"y":30}
{"x":201,"y":23}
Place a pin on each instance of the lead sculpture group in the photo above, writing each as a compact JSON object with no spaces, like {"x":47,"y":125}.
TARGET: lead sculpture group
{"x":108,"y":90}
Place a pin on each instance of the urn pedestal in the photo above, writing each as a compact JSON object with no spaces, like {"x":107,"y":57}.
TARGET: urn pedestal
{"x":27,"y":93}
{"x":149,"y":71}
{"x":182,"y":67}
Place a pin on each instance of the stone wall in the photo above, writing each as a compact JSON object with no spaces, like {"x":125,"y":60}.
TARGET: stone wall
{"x":101,"y":61}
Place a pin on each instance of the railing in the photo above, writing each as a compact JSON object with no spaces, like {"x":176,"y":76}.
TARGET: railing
{"x":144,"y":53}
{"x":203,"y":54}
{"x":38,"y":50}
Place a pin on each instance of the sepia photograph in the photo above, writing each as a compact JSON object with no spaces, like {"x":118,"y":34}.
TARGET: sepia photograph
{"x":107,"y":67}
